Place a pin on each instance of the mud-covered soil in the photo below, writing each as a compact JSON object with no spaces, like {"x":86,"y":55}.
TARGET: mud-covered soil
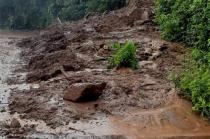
{"x":135,"y":103}
{"x":12,"y":75}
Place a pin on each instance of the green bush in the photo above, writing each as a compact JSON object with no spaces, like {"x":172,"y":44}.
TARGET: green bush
{"x":194,"y":81}
{"x":185,"y":20}
{"x":188,"y":21}
{"x":124,"y":56}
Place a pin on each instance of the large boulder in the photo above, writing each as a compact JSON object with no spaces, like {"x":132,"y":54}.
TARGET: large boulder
{"x":84,"y":92}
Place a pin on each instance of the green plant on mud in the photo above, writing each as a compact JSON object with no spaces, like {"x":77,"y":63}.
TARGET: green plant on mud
{"x":124,"y":56}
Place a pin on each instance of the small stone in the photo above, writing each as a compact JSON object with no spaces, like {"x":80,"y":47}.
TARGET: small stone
{"x":3,"y":110}
{"x":77,"y":118}
{"x":15,"y":123}
{"x":96,"y":105}
{"x":106,"y":47}
{"x":148,"y":51}
{"x":145,"y":15}
{"x":163,"y":47}
{"x":32,"y":126}
{"x":93,"y":113}
{"x":156,"y":55}
{"x":54,"y":108}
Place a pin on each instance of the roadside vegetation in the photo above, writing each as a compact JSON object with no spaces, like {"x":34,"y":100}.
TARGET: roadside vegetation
{"x":33,"y":14}
{"x":124,"y":56}
{"x":188,"y":21}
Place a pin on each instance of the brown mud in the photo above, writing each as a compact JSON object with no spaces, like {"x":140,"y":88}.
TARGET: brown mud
{"x":12,"y":75}
{"x":134,"y":104}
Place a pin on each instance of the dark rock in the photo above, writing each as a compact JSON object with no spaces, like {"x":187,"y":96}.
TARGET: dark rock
{"x":15,"y":123}
{"x":84,"y":92}
{"x":163,"y":47}
{"x":156,"y":55}
{"x":2,"y":110}
{"x":54,"y":108}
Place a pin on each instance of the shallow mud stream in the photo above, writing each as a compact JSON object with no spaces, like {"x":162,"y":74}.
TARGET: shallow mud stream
{"x":174,"y":119}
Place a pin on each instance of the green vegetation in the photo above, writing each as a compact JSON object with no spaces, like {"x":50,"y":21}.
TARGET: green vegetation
{"x":194,"y":81}
{"x":124,"y":56}
{"x":33,"y":14}
{"x":188,"y":21}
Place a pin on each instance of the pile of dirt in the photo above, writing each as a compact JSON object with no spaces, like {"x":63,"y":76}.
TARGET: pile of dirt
{"x":47,"y":54}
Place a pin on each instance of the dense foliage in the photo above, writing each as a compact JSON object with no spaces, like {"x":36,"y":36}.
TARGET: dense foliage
{"x":124,"y":56}
{"x":194,"y":81}
{"x":188,"y":21}
{"x":31,"y":14}
{"x":185,"y":20}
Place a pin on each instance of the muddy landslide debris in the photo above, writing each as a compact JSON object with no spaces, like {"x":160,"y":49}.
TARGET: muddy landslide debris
{"x":47,"y":53}
{"x":71,"y":64}
{"x":63,"y":62}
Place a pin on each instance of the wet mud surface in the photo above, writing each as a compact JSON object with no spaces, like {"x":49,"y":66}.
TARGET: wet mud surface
{"x":135,"y":104}
{"x":12,"y":76}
